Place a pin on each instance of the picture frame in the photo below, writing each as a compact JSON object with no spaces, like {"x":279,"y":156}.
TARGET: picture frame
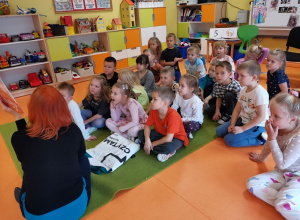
{"x":62,"y":6}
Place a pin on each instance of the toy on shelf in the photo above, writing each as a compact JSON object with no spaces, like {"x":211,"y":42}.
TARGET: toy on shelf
{"x":82,"y":64}
{"x":100,"y":24}
{"x":83,"y":25}
{"x":67,"y":20}
{"x":116,"y":24}
{"x":4,"y":38}
{"x":21,"y":11}
{"x":45,"y":77}
{"x":31,"y":57}
{"x":127,"y":13}
{"x":12,"y":60}
{"x":15,"y":38}
{"x":75,"y":75}
{"x":34,"y":80}
{"x":13,"y":86}
{"x":27,"y":36}
{"x":4,"y":8}
{"x":98,"y":47}
{"x":41,"y":56}
{"x":83,"y":68}
{"x":109,"y":27}
{"x":3,"y":62}
{"x":87,"y":49}
{"x":23,"y":84}
{"x":185,"y":42}
{"x":36,"y":34}
{"x":47,"y":30}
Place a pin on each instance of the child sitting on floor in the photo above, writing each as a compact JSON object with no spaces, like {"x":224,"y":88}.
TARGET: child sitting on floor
{"x":167,"y":78}
{"x":193,"y":64}
{"x":254,"y":52}
{"x":277,"y":80}
{"x":122,"y":103}
{"x":225,"y":91}
{"x":207,"y":84}
{"x":110,"y":74}
{"x":168,"y":134}
{"x":129,"y":77}
{"x":67,"y":90}
{"x":280,"y":187}
{"x":155,"y":44}
{"x":190,"y":104}
{"x":155,"y":67}
{"x":220,"y":50}
{"x":96,"y":103}
{"x":251,"y":111}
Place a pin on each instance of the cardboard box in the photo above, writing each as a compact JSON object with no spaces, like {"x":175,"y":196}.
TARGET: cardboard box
{"x":64,"y":76}
{"x":87,"y":71}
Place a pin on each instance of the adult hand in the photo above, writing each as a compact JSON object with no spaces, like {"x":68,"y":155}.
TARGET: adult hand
{"x":272,"y":132}
{"x":17,"y":115}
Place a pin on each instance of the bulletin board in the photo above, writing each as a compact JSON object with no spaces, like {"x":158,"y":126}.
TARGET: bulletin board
{"x":81,"y":5}
{"x":276,"y":13}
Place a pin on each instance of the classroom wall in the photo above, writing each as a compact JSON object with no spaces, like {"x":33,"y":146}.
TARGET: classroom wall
{"x":46,"y":7}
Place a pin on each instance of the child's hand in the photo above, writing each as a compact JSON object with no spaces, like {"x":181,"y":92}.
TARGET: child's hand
{"x":112,"y":104}
{"x":176,"y":59}
{"x":206,"y":100}
{"x":230,"y":128}
{"x":148,"y":146}
{"x":272,"y":133}
{"x":237,"y":130}
{"x":92,"y":138}
{"x":254,"y":157}
{"x":85,"y":122}
{"x":217,"y":116}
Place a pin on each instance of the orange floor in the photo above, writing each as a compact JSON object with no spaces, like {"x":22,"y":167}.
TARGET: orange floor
{"x":208,"y":184}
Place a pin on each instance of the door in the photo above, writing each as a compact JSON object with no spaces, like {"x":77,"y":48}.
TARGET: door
{"x":159,"y":16}
{"x":183,"y":30}
{"x":99,"y":62}
{"x":208,"y":13}
{"x":146,"y":17}
{"x":161,"y":33}
{"x":146,"y":33}
{"x":132,"y":38}
{"x":59,"y":48}
{"x":117,"y":40}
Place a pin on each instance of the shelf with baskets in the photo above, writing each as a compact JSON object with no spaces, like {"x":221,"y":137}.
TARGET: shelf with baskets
{"x":15,"y":25}
{"x":211,"y":13}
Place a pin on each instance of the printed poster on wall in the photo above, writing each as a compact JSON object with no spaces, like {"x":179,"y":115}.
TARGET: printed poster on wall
{"x":103,"y":3}
{"x":90,"y":4}
{"x":63,"y":5}
{"x":78,"y":4}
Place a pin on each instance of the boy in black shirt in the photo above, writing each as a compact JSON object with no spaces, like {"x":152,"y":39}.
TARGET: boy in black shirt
{"x":110,"y":75}
{"x":171,"y":55}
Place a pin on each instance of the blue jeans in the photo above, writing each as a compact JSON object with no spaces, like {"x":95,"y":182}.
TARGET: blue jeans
{"x":177,"y":75}
{"x":244,"y":139}
{"x":98,"y":123}
{"x":165,"y":148}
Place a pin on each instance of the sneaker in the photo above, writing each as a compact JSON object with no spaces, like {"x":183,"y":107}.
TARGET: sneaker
{"x":165,"y":157}
{"x":17,"y":193}
{"x":91,"y":129}
{"x":264,"y":135}
{"x":191,"y":136}
{"x":137,"y":141}
{"x":225,"y":118}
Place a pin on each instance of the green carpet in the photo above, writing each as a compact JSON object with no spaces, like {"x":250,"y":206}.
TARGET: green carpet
{"x":131,"y":173}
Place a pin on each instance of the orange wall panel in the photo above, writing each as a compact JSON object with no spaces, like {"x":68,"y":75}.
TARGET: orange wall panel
{"x":133,"y":38}
{"x":160,"y":16}
{"x":122,"y":63}
{"x":99,"y":62}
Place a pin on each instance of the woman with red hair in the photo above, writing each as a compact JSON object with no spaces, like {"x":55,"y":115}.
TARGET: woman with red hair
{"x":56,"y":180}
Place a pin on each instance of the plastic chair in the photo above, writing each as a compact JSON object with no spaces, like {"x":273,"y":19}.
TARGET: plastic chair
{"x":246,"y":33}
{"x":293,"y":41}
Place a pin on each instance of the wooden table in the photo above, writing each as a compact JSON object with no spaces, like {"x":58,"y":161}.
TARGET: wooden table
{"x":230,"y":42}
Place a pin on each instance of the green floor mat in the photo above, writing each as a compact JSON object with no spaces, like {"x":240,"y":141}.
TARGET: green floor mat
{"x":131,"y":173}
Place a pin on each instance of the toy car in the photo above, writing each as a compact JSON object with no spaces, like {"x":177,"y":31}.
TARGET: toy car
{"x":31,"y":58}
{"x":15,"y":38}
{"x":4,"y":38}
{"x":27,"y":36}
{"x":45,"y":77}
{"x":75,"y":76}
{"x":14,"y":61}
{"x":42,"y":56}
{"x":34,"y":80}
{"x":23,"y":84}
{"x":13,"y":86}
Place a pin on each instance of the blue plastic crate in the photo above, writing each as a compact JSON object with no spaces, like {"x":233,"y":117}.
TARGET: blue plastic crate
{"x":183,"y":51}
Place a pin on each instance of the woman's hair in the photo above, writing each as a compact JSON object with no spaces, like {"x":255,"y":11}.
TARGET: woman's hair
{"x":288,"y":103}
{"x":254,"y":49}
{"x":280,"y":56}
{"x":220,"y":43}
{"x":104,"y":92}
{"x":158,"y":48}
{"x":143,"y":59}
{"x":192,"y":82}
{"x":47,"y":113}
{"x":194,"y":49}
{"x":126,"y":89}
